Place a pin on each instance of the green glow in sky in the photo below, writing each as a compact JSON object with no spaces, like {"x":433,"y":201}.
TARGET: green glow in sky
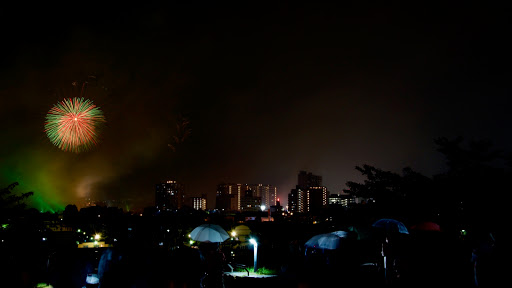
{"x":34,"y":173}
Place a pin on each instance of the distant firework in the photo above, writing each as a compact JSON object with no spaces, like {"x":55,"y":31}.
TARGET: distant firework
{"x":72,"y":124}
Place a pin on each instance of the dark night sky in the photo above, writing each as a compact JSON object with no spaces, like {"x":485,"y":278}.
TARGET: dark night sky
{"x":269,"y":90}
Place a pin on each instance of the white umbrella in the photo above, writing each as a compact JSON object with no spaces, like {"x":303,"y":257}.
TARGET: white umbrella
{"x":209,"y":233}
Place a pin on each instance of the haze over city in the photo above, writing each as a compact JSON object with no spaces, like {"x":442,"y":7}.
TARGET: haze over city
{"x":263,"y":92}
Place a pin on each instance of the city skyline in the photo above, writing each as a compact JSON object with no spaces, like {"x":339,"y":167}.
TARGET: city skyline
{"x":211,"y":93}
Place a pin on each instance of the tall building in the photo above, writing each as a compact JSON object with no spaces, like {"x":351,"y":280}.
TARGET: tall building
{"x":169,"y":196}
{"x":267,"y":193}
{"x":199,"y":203}
{"x":293,"y":200}
{"x":309,"y":195}
{"x":316,"y":198}
{"x":250,"y":202}
{"x":307,"y":179}
{"x":228,"y":197}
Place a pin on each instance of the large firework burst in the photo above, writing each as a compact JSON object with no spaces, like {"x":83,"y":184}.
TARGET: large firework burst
{"x":72,"y":124}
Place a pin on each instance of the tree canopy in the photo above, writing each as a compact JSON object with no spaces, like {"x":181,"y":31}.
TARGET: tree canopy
{"x":468,"y":195}
{"x":10,"y":200}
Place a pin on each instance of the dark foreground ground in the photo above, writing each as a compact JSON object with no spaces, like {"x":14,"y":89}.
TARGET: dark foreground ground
{"x":421,"y":261}
{"x":441,"y":264}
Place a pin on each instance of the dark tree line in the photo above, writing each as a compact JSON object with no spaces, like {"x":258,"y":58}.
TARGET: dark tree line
{"x":469,"y":195}
{"x":12,"y":204}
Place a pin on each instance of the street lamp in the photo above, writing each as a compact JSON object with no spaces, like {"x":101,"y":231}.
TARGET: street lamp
{"x":253,"y":242}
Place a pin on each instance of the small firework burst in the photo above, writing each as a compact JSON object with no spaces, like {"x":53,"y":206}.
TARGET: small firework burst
{"x":72,"y":124}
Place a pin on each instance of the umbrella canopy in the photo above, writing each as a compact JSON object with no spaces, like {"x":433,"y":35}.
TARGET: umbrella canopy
{"x":341,"y":234}
{"x":328,"y":241}
{"x":209,"y":233}
{"x":242,"y":230}
{"x":391,"y":226}
{"x":426,"y":226}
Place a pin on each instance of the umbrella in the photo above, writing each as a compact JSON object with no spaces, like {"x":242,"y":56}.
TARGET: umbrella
{"x":209,"y":233}
{"x":391,"y":226}
{"x":426,"y":226}
{"x":328,"y":241}
{"x":242,"y":230}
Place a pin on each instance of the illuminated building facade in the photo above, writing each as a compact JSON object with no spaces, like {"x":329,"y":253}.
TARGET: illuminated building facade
{"x":228,"y":197}
{"x":293,"y":200}
{"x":342,"y":199}
{"x":169,"y":196}
{"x":199,"y":203}
{"x":316,"y":198}
{"x":309,"y":195}
{"x":267,"y":193}
{"x":250,"y":202}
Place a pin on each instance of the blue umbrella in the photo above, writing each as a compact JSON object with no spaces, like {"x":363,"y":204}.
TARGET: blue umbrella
{"x":329,"y":241}
{"x":391,"y":226}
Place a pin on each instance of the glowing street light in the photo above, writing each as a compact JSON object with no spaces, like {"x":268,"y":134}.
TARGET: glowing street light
{"x":263,"y":207}
{"x":253,"y":242}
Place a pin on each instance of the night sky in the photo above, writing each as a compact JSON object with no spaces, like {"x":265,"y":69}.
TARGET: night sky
{"x":269,"y":90}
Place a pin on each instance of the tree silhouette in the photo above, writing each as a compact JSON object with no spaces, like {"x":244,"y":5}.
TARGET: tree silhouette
{"x":470,"y":195}
{"x":12,"y":205}
{"x":473,"y":187}
{"x":388,"y":190}
{"x":10,"y":200}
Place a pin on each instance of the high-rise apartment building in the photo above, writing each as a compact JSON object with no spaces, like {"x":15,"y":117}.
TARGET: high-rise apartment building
{"x":199,"y":203}
{"x":250,"y":201}
{"x":307,"y":179}
{"x":309,"y":195}
{"x":169,"y":196}
{"x":293,"y":200}
{"x":230,"y":196}
{"x":267,"y":193}
{"x":316,"y":198}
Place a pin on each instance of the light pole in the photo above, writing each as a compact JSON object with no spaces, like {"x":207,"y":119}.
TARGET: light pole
{"x":253,"y":242}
